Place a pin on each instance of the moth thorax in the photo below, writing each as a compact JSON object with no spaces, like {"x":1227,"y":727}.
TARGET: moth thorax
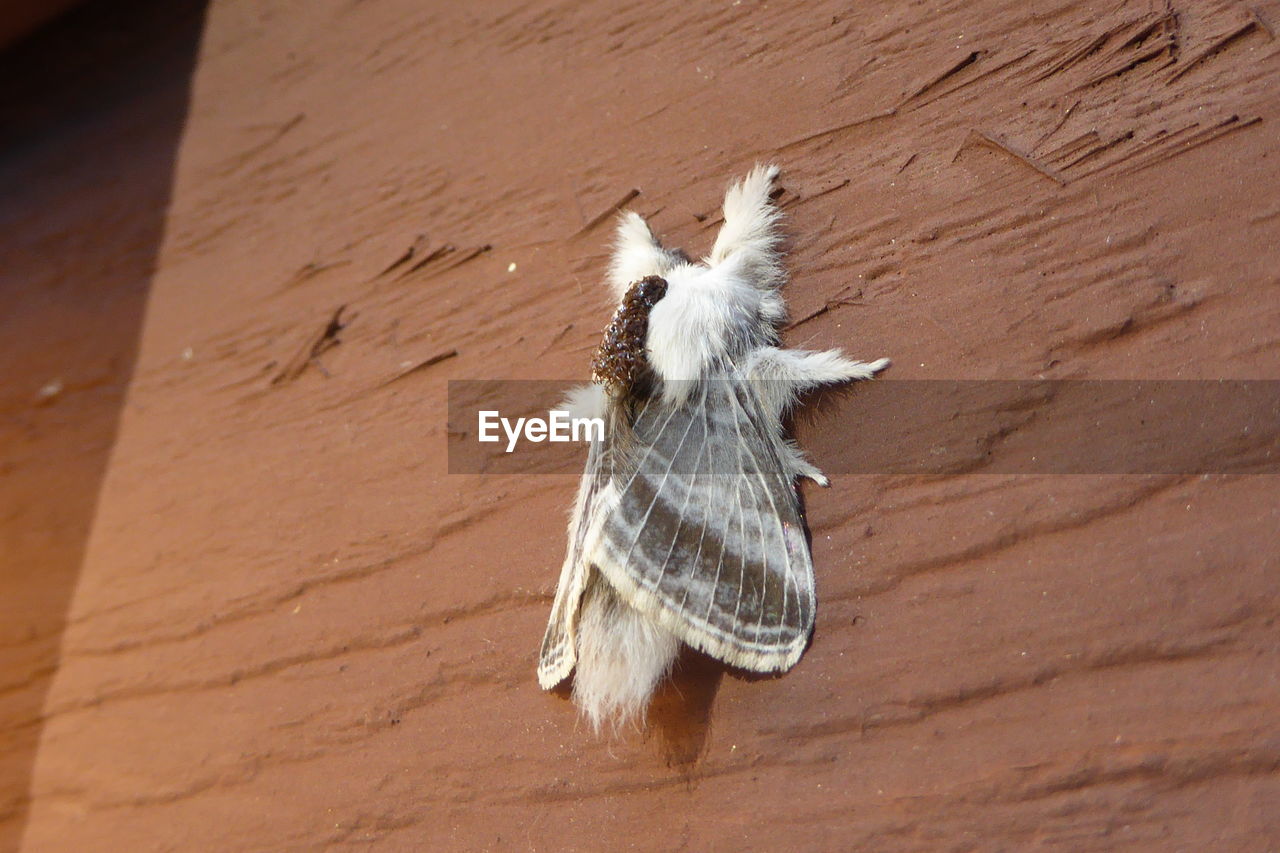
{"x":621,"y":358}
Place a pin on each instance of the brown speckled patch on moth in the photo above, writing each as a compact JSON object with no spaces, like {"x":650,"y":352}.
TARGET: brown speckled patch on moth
{"x":621,"y":359}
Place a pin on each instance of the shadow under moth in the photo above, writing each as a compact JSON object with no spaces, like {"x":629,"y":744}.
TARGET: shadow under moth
{"x":687,"y":526}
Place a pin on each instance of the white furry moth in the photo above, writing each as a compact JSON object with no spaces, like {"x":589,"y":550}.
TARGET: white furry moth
{"x":687,"y":525}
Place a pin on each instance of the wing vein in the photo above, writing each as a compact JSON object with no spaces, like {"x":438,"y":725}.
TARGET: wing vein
{"x":775,"y":517}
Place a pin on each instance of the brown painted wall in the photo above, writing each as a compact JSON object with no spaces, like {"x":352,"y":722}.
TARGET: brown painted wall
{"x":253,"y":611}
{"x":93,"y":110}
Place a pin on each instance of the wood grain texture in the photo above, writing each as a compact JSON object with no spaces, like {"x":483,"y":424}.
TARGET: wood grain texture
{"x":290,"y":628}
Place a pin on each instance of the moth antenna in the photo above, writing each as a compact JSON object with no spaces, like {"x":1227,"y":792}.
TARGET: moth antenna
{"x":637,"y":254}
{"x":750,"y":232}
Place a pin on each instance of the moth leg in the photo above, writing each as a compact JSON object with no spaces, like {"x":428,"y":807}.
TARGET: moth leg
{"x":750,"y":234}
{"x":801,"y":467}
{"x":780,"y":375}
{"x":637,"y":254}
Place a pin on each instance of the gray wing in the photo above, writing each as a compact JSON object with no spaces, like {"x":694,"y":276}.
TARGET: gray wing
{"x":559,"y":648}
{"x":705,"y":535}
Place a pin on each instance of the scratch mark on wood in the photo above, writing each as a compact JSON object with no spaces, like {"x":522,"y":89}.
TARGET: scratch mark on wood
{"x":840,"y":128}
{"x":555,"y":340}
{"x":812,"y":315}
{"x":1166,"y":24}
{"x":1238,"y":33}
{"x":965,"y":84}
{"x":471,"y":256}
{"x":442,"y":251}
{"x":419,"y":243}
{"x":1126,"y":37}
{"x":1072,"y":147}
{"x":826,"y":306}
{"x":1057,"y":127}
{"x":237,"y":160}
{"x":821,"y":193}
{"x":1263,"y":23}
{"x":1169,"y":151}
{"x":955,"y":69}
{"x":610,"y":211}
{"x":420,"y":366}
{"x":315,"y":346}
{"x":310,"y":271}
{"x":1156,"y":50}
{"x":435,"y":255}
{"x":1076,"y":52}
{"x":980,"y":138}
{"x":1093,"y":152}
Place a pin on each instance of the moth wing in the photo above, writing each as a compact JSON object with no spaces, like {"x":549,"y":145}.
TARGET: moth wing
{"x":705,"y":535}
{"x":559,"y":649}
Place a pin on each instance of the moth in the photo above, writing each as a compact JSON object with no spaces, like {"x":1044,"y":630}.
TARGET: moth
{"x":687,"y":527}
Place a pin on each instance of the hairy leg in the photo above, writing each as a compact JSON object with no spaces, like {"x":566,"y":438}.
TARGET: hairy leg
{"x":781,"y":375}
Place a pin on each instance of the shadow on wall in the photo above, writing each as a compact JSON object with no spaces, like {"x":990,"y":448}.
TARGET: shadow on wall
{"x":91,"y":115}
{"x":21,"y":17}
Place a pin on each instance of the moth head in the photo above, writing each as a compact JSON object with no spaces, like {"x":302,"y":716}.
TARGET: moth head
{"x":621,"y":358}
{"x":645,"y":293}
